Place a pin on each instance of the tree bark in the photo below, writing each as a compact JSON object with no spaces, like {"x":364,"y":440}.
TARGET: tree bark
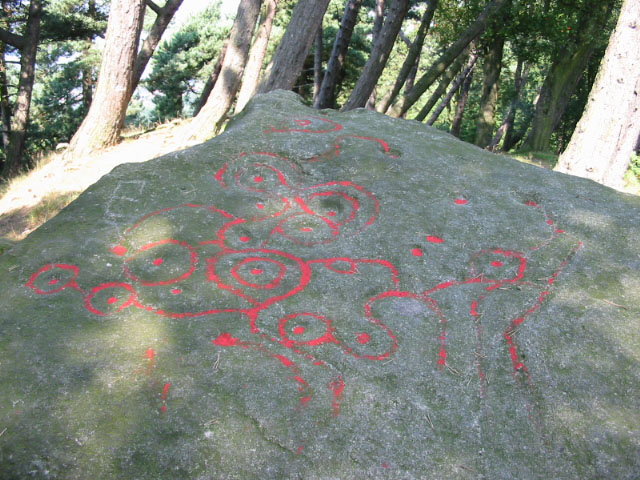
{"x":467,"y":72}
{"x":491,"y":74}
{"x":375,"y":32}
{"x":379,"y":55}
{"x":5,"y":105}
{"x":450,"y":54}
{"x":105,"y":119}
{"x":507,"y":124}
{"x":317,"y":65}
{"x":20,"y":118}
{"x":326,"y":98}
{"x":256,"y":55}
{"x":410,"y":63}
{"x":566,"y":70}
{"x":164,"y":16}
{"x":440,"y":90}
{"x":213,"y":78}
{"x":606,"y":135}
{"x":210,"y":118}
{"x":456,"y":123}
{"x":295,"y":45}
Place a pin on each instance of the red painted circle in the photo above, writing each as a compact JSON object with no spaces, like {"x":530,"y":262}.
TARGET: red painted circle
{"x":90,"y":299}
{"x":273,"y":282}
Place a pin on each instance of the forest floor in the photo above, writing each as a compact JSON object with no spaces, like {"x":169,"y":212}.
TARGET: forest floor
{"x":31,"y":199}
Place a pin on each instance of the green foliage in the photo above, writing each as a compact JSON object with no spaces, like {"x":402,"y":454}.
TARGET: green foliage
{"x":58,"y":106}
{"x":182,"y":64}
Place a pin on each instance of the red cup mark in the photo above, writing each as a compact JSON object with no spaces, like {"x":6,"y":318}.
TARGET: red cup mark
{"x":158,"y":261}
{"x":112,"y":300}
{"x":416,"y":252}
{"x":119,"y":250}
{"x":258,"y":179}
{"x":176,"y":291}
{"x":260,"y":206}
{"x":460,"y":201}
{"x":363,"y":338}
{"x":225,"y":340}
{"x":496,"y":263}
{"x":434,"y":239}
{"x":298,"y":330}
{"x":244,"y":239}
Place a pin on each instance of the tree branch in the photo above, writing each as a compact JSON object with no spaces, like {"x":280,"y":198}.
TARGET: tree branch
{"x":153,"y":6}
{"x":12,"y":39}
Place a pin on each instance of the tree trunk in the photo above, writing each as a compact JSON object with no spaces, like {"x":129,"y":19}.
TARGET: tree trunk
{"x":507,"y":124}
{"x":5,"y":106}
{"x":87,"y":73}
{"x":456,"y":123}
{"x":20,"y":117}
{"x":164,"y":16}
{"x":566,"y":70}
{"x":295,"y":45}
{"x":467,"y":72}
{"x":606,"y":135}
{"x":317,"y":65}
{"x":103,"y":124}
{"x":440,"y":90}
{"x":450,"y":54}
{"x":210,"y":118}
{"x":213,"y":78}
{"x":413,"y":58}
{"x":326,"y":99}
{"x":375,"y":33}
{"x":379,"y":55}
{"x":256,"y":55}
{"x":491,"y":74}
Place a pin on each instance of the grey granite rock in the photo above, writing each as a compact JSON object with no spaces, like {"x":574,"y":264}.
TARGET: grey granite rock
{"x":321,"y":295}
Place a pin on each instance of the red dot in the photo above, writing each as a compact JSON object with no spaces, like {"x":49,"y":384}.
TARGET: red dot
{"x":549,"y":222}
{"x":256,"y":271}
{"x":559,"y":231}
{"x":496,"y":263}
{"x":112,"y":300}
{"x":53,"y":281}
{"x":531,"y":204}
{"x":416,"y":252}
{"x":119,"y":250}
{"x":176,"y":291}
{"x":434,"y":239}
{"x":158,"y":261}
{"x":163,"y":408}
{"x":260,"y":205}
{"x":331,"y":214}
{"x":244,"y":239}
{"x":298,"y":330}
{"x":149,"y":353}
{"x":306,"y":229}
{"x":460,"y":201}
{"x":363,"y":338}
{"x":257,"y":179}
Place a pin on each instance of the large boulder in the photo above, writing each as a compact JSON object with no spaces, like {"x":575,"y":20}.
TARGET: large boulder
{"x":324,"y":295}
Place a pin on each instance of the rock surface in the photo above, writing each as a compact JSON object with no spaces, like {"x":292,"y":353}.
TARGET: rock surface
{"x":324,"y":295}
